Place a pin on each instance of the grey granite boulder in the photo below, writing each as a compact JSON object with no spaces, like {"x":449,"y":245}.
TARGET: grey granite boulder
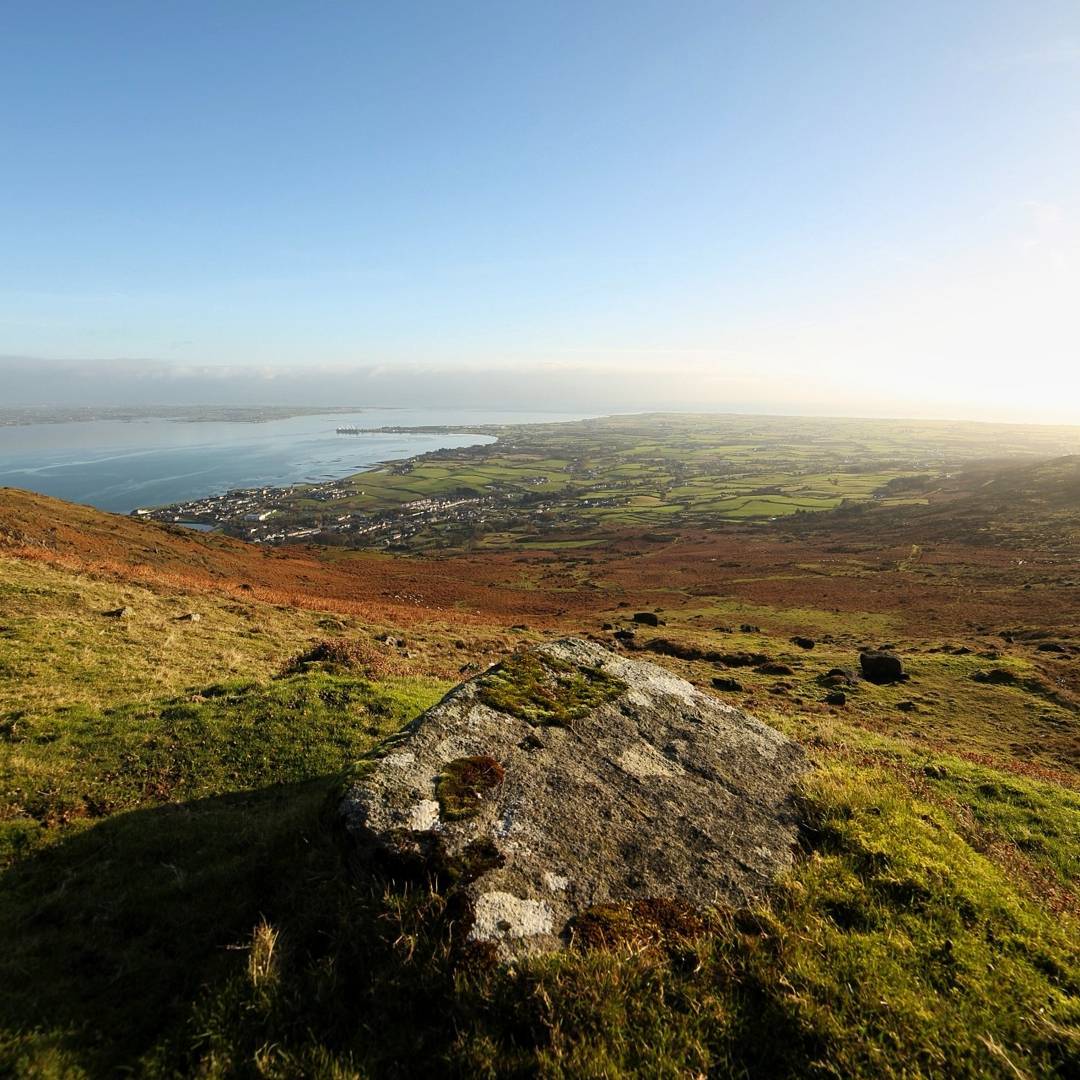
{"x":568,"y":777}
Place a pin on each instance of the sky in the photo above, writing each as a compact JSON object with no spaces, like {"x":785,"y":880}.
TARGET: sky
{"x":829,"y":207}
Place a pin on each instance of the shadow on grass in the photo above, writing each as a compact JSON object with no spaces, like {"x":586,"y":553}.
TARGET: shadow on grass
{"x":222,"y":937}
{"x":117,"y":932}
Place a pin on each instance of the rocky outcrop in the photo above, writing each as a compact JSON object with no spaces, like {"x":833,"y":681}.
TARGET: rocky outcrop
{"x":569,"y":777}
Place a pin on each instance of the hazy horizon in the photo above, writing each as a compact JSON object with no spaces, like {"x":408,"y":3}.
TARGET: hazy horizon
{"x":819,"y":210}
{"x":44,"y":384}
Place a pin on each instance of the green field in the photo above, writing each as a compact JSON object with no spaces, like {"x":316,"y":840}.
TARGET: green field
{"x":670,"y":470}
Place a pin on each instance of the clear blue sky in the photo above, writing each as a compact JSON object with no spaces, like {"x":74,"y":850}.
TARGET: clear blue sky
{"x":808,"y":200}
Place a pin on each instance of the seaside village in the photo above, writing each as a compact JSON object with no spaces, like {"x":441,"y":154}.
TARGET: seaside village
{"x":270,"y":515}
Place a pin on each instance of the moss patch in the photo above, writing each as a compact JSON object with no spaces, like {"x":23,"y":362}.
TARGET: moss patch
{"x":464,"y":783}
{"x":543,"y":690}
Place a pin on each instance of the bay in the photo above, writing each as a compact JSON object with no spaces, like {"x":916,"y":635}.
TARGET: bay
{"x":120,"y":465}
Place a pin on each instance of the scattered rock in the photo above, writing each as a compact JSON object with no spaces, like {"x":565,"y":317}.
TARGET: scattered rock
{"x":646,"y":618}
{"x":881,"y":667}
{"x":747,"y":628}
{"x":117,"y":613}
{"x":569,"y":777}
{"x":1051,"y":647}
{"x":907,"y":706}
{"x":625,"y":636}
{"x":803,"y":642}
{"x":935,"y":772}
{"x":191,"y":616}
{"x":836,"y":697}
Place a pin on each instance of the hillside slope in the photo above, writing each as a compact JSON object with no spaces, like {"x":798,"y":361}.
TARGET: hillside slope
{"x":178,"y":906}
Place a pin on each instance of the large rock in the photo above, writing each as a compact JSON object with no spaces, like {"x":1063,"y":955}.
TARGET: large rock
{"x":568,"y":777}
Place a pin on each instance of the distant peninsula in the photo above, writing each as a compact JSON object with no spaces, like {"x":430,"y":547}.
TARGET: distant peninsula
{"x":19,"y":415}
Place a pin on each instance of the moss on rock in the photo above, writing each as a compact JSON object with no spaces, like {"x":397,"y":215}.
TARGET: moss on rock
{"x":545,"y":690}
{"x":463,"y":783}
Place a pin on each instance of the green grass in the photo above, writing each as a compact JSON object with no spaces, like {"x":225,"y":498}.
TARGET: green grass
{"x":1041,"y":819}
{"x":222,"y":938}
{"x":80,"y":763}
{"x":175,"y":900}
{"x":58,"y":649}
{"x":694,"y":471}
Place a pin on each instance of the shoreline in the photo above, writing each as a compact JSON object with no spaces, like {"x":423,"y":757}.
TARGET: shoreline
{"x":34,"y":415}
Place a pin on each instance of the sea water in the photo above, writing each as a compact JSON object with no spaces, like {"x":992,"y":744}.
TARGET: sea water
{"x":119,"y":465}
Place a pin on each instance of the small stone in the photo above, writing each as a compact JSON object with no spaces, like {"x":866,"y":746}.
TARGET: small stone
{"x":803,"y":642}
{"x":881,"y":667}
{"x":836,"y":697}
